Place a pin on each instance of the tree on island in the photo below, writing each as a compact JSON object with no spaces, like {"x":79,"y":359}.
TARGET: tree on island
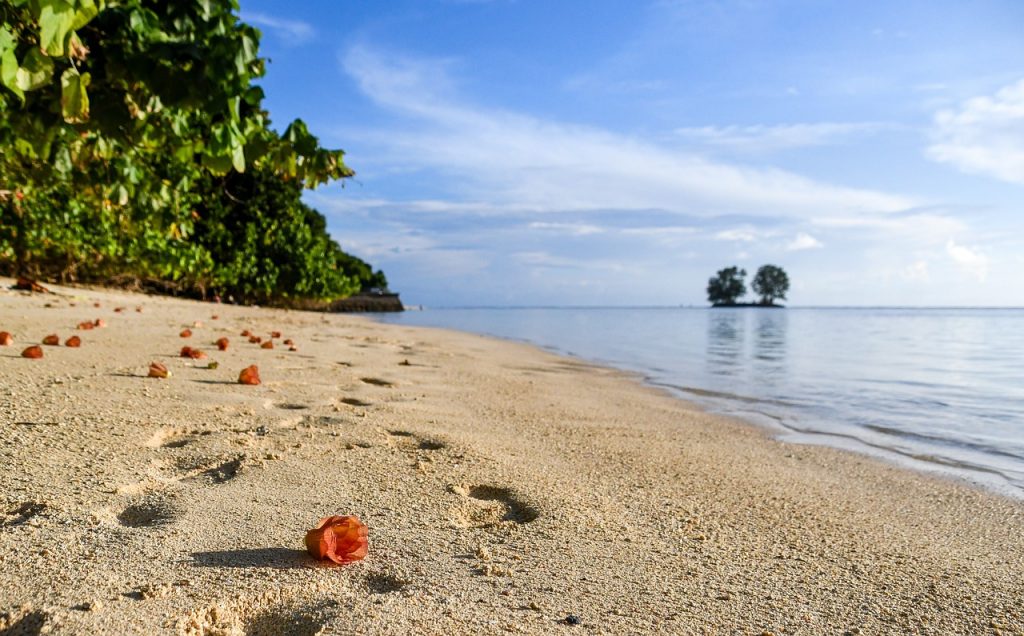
{"x":770,"y":283}
{"x":727,"y":286}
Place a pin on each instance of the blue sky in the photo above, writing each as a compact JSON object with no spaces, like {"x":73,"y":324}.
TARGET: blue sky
{"x":599,"y":152}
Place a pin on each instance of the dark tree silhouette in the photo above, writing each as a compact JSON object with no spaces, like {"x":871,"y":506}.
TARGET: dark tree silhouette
{"x":727,"y":286}
{"x":770,"y":283}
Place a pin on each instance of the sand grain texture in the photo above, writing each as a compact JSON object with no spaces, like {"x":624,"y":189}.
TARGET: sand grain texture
{"x":506,"y":489}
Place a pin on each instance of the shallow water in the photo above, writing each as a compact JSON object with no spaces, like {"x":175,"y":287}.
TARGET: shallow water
{"x":942,"y":389}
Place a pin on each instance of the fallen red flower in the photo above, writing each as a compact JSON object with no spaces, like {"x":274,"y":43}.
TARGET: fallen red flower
{"x":249,"y":375}
{"x":52,"y":339}
{"x":6,"y":339}
{"x":35,"y":351}
{"x":73,"y":341}
{"x":27,"y":284}
{"x":342,"y":539}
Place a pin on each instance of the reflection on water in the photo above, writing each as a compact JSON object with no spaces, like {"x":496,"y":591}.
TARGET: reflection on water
{"x":732,"y":331}
{"x":725,"y":342}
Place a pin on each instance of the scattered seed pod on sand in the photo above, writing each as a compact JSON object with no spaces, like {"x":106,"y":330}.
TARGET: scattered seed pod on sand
{"x":157,"y":370}
{"x":255,"y":339}
{"x":269,"y":344}
{"x":222,"y":344}
{"x":186,"y":333}
{"x":6,"y":339}
{"x":288,"y":342}
{"x":341,"y":539}
{"x":35,"y":351}
{"x":249,"y":375}
{"x":118,"y":310}
{"x":246,"y":333}
{"x":99,"y":322}
{"x":275,"y":334}
{"x":73,"y":341}
{"x":52,"y":340}
{"x":87,"y":325}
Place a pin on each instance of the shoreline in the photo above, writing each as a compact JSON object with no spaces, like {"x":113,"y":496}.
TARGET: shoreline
{"x":506,"y":488}
{"x":782,"y":426}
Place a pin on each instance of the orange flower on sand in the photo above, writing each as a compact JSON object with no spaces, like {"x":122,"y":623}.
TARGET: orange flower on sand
{"x":51,"y":339}
{"x":35,"y":351}
{"x":6,"y":339}
{"x":157,"y":370}
{"x":340,"y":539}
{"x":186,"y":333}
{"x":73,"y":341}
{"x":249,"y":375}
{"x":222,"y":344}
{"x":269,"y":344}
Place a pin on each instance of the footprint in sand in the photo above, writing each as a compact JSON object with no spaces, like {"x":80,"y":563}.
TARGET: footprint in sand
{"x":355,"y":402}
{"x":260,"y":617}
{"x":21,"y":513}
{"x":150,"y":511}
{"x":170,"y":438}
{"x":404,"y":440}
{"x":489,"y":506}
{"x":25,"y":622}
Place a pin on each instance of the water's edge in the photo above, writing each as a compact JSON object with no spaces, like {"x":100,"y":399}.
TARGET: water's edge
{"x":744,"y":409}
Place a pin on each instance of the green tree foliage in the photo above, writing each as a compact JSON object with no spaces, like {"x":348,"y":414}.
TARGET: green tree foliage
{"x":770,"y":283}
{"x":726,"y":286}
{"x":265,"y":244}
{"x":114,"y":115}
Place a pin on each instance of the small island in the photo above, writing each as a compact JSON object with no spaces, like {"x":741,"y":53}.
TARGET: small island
{"x":770,"y":283}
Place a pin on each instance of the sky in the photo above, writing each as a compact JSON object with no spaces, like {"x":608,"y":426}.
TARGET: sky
{"x":620,"y":152}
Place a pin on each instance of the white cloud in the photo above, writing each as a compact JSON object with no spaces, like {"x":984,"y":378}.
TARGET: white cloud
{"x":917,"y":271}
{"x":762,"y":138}
{"x":511,"y":159}
{"x":745,"y":234}
{"x":803,"y":241}
{"x":295,"y":31}
{"x":575,"y":229}
{"x":984,"y":136}
{"x":970,"y":260}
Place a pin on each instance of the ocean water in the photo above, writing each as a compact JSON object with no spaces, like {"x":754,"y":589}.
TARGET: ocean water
{"x":939,"y":389}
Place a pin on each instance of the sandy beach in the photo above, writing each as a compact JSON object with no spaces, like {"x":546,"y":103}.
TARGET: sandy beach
{"x":506,"y":490}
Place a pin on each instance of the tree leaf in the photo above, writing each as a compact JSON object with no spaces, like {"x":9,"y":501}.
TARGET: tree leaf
{"x":74,"y":100}
{"x":36,"y":71}
{"x":56,"y":18}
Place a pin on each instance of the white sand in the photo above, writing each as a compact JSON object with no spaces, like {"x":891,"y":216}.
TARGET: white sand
{"x":505,"y":490}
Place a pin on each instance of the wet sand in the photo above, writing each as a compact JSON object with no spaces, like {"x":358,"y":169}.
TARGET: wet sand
{"x":506,"y":490}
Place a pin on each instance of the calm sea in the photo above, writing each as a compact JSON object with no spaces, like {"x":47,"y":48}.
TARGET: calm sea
{"x":940,"y":389}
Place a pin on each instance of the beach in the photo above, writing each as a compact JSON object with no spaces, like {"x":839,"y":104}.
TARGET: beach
{"x":506,"y":490}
